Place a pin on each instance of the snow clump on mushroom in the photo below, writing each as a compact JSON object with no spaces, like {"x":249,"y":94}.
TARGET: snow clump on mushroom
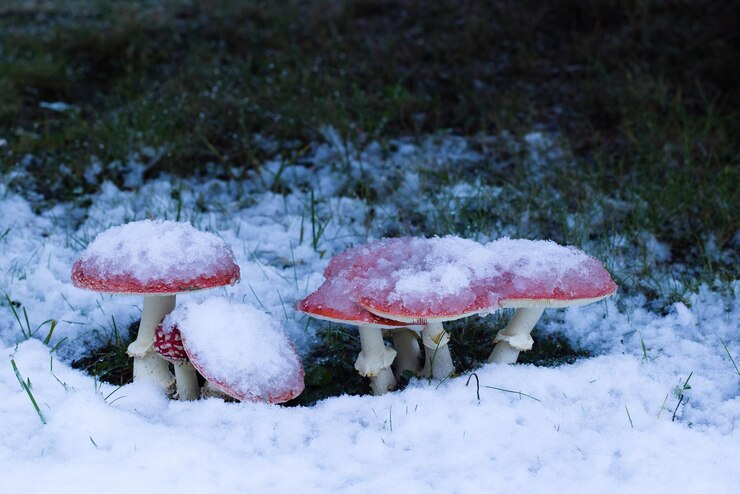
{"x":238,"y":348}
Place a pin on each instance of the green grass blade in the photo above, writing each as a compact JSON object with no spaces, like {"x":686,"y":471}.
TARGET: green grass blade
{"x":514,"y":392}
{"x":28,"y":390}
{"x":15,"y":313}
{"x":737,"y":371}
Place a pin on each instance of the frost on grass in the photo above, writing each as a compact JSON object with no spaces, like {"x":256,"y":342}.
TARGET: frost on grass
{"x":242,"y":350}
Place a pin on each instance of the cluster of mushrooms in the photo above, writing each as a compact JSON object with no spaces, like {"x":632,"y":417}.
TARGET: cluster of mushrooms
{"x":414,"y":285}
{"x":161,"y":259}
{"x":406,"y":286}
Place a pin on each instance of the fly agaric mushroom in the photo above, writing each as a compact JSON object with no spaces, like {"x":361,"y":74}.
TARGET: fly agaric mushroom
{"x":332,"y":301}
{"x":239,"y":350}
{"x":534,"y":275}
{"x":156,"y":259}
{"x":425,"y":282}
{"x":168,"y":345}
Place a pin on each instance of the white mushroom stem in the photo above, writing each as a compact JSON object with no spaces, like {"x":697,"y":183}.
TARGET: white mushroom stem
{"x":187,"y":382}
{"x":148,"y":365}
{"x":374,"y":360}
{"x":437,"y":358}
{"x":515,"y":337}
{"x":406,"y":344}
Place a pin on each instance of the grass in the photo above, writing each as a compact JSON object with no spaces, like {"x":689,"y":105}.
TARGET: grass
{"x":27,"y":387}
{"x":640,"y":100}
{"x":727,"y":350}
{"x":110,"y":363}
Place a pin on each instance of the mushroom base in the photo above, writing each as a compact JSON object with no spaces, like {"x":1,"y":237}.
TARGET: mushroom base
{"x":515,"y":337}
{"x":374,"y":361}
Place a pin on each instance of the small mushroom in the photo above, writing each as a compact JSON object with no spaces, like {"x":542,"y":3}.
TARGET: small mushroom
{"x":168,"y":345}
{"x":420,"y":281}
{"x":156,"y":259}
{"x":332,"y":301}
{"x":239,"y":350}
{"x":535,"y":275}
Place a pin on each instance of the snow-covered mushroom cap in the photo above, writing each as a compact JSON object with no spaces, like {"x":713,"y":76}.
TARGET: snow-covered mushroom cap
{"x":541,"y":273}
{"x":239,"y":349}
{"x":155,"y":257}
{"x":445,"y":278}
{"x":334,"y":301}
{"x":420,"y":280}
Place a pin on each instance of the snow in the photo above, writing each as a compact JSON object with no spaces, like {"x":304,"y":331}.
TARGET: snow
{"x":239,"y":348}
{"x":603,"y":424}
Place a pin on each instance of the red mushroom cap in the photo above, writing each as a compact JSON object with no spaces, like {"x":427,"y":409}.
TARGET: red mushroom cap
{"x":155,"y":257}
{"x":334,"y":301}
{"x":235,"y":390}
{"x":529,"y":272}
{"x":417,"y":280}
{"x":592,"y":284}
{"x":168,"y":343}
{"x":240,"y":350}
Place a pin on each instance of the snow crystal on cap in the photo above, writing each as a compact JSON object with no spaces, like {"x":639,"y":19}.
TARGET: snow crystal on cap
{"x":155,"y":257}
{"x":240,"y":349}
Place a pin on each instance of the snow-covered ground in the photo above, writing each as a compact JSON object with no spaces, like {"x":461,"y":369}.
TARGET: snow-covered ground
{"x":610,"y":423}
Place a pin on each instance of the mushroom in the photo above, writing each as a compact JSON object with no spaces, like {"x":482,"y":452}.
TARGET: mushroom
{"x":168,"y":345}
{"x":239,"y":350}
{"x":423,"y":282}
{"x":156,"y":259}
{"x":534,"y":275}
{"x":437,"y":359}
{"x":332,"y":301}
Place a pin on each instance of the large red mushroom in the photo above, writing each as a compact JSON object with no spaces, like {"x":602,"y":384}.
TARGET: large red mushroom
{"x":156,"y":259}
{"x":532,"y":275}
